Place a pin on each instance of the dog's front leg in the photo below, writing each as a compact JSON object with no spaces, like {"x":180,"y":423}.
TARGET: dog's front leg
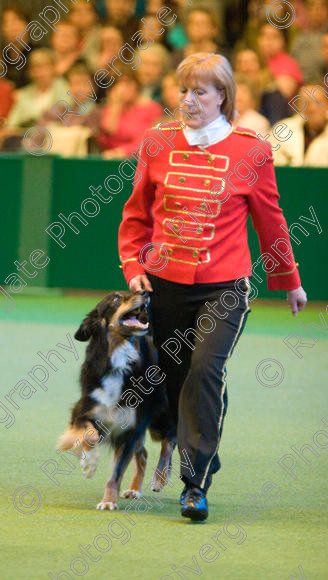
{"x":140,"y":463}
{"x":122,"y":458}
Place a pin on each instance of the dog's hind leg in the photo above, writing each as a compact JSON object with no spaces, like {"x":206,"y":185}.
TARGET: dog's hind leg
{"x":161,"y":475}
{"x":140,"y":463}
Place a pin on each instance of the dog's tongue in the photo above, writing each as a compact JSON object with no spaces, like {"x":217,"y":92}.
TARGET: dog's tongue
{"x":133,"y":321}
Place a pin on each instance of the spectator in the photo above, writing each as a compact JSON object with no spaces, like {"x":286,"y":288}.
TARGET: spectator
{"x":13,"y":22}
{"x":308,"y":143}
{"x":203,"y":29}
{"x":306,"y":47}
{"x":121,"y":14}
{"x":38,"y":96}
{"x":176,"y":37}
{"x":256,"y":16}
{"x":272,"y":50}
{"x":65,"y":43}
{"x":273,"y":105}
{"x":6,"y":99}
{"x":84,"y":17}
{"x":153,"y":30}
{"x":247,"y":103}
{"x":155,"y":63}
{"x":170,"y":92}
{"x":88,"y":113}
{"x":126,"y":117}
{"x":111,"y":40}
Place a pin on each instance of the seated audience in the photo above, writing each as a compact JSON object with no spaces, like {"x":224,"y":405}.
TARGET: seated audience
{"x":38,"y":96}
{"x":84,"y":17}
{"x":121,"y":14}
{"x":13,"y":22}
{"x":65,"y":44}
{"x":126,"y":117}
{"x":308,"y":142}
{"x":7,"y":90}
{"x":247,"y":102}
{"x":272,"y":50}
{"x":306,"y":46}
{"x":155,"y":62}
{"x":273,"y":105}
{"x":203,"y":30}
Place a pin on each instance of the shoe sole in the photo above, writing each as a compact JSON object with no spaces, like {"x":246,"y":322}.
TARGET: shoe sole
{"x":194,"y":515}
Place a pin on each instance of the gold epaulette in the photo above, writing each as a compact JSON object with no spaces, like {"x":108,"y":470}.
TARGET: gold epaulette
{"x":241,"y":131}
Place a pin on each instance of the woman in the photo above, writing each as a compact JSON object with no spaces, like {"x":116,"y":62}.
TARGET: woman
{"x":191,"y":202}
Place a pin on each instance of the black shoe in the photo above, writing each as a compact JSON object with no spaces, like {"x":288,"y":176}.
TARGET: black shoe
{"x":183,"y":494}
{"x":195,"y":505}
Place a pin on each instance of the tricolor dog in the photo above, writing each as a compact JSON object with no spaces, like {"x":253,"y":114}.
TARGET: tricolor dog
{"x":110,"y":409}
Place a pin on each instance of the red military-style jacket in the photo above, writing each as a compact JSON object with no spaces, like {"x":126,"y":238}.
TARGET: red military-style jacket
{"x":186,"y":219}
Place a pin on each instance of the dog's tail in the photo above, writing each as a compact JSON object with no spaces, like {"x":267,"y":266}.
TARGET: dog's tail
{"x":79,"y":438}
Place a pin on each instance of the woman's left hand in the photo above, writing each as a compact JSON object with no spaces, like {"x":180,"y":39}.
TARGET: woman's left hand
{"x":296,"y":299}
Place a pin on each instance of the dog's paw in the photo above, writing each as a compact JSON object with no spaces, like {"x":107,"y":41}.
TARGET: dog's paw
{"x":158,"y":482}
{"x":89,"y":463}
{"x":131,"y":493}
{"x":156,"y":485}
{"x":107,"y":505}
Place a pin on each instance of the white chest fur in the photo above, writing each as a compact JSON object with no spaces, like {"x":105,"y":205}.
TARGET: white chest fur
{"x":124,"y":356}
{"x":110,"y":393}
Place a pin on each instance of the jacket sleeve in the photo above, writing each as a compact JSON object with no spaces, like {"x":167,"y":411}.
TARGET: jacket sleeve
{"x":267,"y":217}
{"x":136,"y":227}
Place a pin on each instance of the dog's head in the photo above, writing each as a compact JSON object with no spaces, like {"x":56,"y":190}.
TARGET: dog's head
{"x":122,"y":313}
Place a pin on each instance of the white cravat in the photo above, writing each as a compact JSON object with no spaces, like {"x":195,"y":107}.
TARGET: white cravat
{"x":209,"y":134}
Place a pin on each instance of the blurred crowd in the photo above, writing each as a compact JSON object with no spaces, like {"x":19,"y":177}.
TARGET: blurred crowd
{"x":271,"y":65}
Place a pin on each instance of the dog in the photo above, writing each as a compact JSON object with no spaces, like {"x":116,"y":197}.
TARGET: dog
{"x":110,"y":410}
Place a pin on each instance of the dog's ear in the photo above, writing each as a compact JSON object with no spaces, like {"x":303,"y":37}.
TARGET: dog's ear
{"x":92,"y":323}
{"x":87,"y":326}
{"x":84,"y":331}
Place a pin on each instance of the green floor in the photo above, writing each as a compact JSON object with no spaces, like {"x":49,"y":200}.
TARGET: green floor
{"x":286,"y":540}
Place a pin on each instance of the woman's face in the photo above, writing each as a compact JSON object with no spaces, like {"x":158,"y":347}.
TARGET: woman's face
{"x":65,"y":40}
{"x":270,"y":41}
{"x":248,"y":63}
{"x":42,"y":72}
{"x":200,"y":27}
{"x":12,"y":25}
{"x":202,"y":101}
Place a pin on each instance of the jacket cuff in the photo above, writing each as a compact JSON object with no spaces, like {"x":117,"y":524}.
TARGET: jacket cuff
{"x":131,"y":267}
{"x":284,"y":280}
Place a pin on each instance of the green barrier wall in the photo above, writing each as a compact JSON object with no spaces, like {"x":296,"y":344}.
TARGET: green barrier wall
{"x":36,"y":189}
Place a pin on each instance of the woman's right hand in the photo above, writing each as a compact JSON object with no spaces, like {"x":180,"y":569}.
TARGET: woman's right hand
{"x":135,"y":284}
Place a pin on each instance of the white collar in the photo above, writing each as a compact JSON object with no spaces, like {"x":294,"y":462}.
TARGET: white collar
{"x":209,"y":134}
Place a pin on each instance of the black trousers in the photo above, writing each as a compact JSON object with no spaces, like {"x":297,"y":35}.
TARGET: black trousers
{"x":195,"y":329}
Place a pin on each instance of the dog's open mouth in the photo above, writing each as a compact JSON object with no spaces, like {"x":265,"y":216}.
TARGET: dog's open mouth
{"x":132,"y":319}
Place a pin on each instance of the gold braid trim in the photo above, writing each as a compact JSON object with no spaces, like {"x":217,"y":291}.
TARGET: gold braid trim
{"x":284,"y":273}
{"x":244,"y":133}
{"x":128,"y":260}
